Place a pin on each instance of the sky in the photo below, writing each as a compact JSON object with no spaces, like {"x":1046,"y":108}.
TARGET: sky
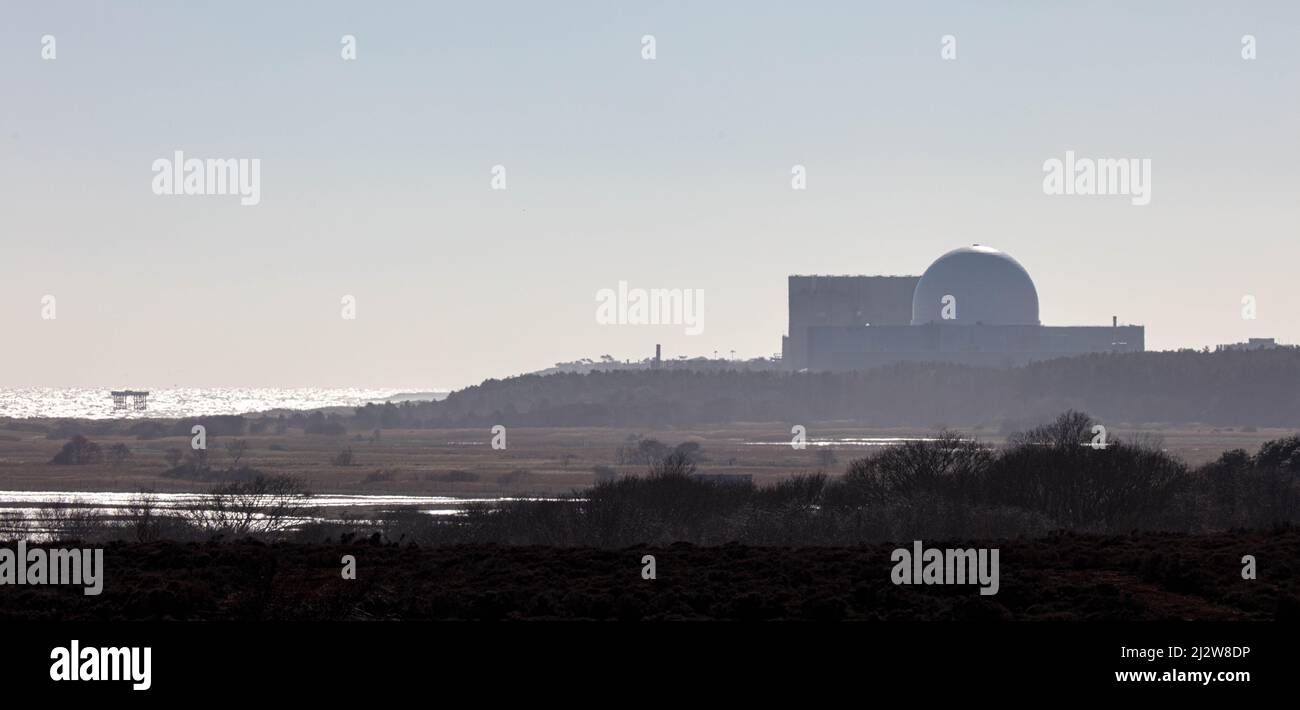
{"x":376,"y":176}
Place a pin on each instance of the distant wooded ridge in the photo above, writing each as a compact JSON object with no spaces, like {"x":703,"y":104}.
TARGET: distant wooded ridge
{"x":1248,"y":388}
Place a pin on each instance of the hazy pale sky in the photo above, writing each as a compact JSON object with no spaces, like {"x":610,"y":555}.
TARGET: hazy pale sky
{"x":666,"y":173}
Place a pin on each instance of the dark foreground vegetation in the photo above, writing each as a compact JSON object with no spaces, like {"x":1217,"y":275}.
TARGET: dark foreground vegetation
{"x":1146,"y":576}
{"x":1115,"y":532}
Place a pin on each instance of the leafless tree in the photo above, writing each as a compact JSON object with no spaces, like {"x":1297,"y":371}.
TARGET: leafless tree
{"x":66,"y":519}
{"x":142,"y":517}
{"x":265,"y":505}
{"x":673,"y":464}
{"x":344,"y":458}
{"x":1069,"y":430}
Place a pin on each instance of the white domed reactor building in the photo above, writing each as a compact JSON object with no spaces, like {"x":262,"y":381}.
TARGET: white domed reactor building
{"x":974,"y":305}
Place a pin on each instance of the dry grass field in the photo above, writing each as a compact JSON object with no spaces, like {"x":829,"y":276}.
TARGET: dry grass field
{"x":536,"y":460}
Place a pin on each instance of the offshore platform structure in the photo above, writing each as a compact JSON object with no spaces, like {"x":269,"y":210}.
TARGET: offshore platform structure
{"x":130,"y":399}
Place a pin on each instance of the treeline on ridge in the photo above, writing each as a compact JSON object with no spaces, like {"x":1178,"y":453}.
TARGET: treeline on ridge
{"x":1256,"y":388}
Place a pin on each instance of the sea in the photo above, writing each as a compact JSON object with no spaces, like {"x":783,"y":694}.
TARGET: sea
{"x":177,"y":402}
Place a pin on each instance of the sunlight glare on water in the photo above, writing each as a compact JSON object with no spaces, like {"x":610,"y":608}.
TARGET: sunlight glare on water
{"x":89,"y":403}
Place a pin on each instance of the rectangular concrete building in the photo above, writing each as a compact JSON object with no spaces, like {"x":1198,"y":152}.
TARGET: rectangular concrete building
{"x":845,"y":301}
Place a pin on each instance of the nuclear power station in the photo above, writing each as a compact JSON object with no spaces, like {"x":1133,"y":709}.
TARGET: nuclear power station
{"x":974,"y":305}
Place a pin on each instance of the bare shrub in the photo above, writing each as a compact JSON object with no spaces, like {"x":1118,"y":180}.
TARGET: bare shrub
{"x":644,"y":452}
{"x":79,"y":451}
{"x":142,"y":518}
{"x":265,"y":505}
{"x":1069,"y":429}
{"x":344,"y":458}
{"x":117,"y":454}
{"x":948,"y":465}
{"x":675,"y":463}
{"x":68,"y":520}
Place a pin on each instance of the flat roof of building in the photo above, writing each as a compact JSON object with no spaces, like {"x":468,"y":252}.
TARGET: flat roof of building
{"x":851,"y":276}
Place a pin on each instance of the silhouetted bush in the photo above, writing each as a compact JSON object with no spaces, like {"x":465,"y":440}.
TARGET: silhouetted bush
{"x":142,"y":518}
{"x":265,"y":505}
{"x":117,"y":454}
{"x":343,"y":458}
{"x":79,"y":451}
{"x":1057,"y":471}
{"x":805,"y":491}
{"x":948,"y":466}
{"x":1261,"y":490}
{"x":690,"y":451}
{"x":69,"y":520}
